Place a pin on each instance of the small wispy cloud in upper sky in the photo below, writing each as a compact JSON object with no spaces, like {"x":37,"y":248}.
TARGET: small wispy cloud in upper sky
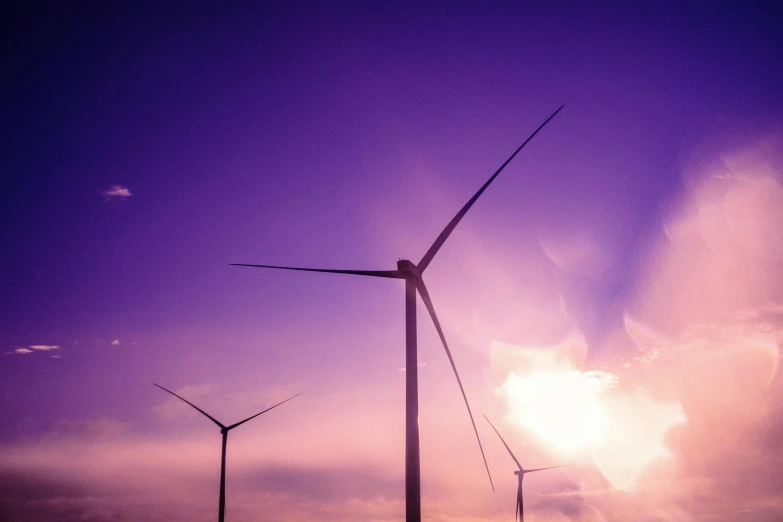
{"x":36,"y":347}
{"x":117,"y":191}
{"x":44,"y":347}
{"x":115,"y":342}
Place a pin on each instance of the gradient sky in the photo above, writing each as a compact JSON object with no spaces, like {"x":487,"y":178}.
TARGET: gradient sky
{"x":627,"y":263}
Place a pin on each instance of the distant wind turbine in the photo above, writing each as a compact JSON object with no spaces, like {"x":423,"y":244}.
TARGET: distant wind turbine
{"x":412,"y":274}
{"x":520,"y":473}
{"x":224,"y":431}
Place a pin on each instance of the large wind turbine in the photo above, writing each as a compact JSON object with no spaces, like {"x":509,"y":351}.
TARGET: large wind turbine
{"x":224,"y":431}
{"x":412,"y":274}
{"x":520,"y":473}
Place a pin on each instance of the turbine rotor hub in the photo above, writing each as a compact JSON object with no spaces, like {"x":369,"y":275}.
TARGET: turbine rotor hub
{"x":408,"y":268}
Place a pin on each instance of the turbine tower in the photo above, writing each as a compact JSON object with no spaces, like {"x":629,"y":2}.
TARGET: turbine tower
{"x":414,"y":283}
{"x":224,"y":431}
{"x":520,"y":473}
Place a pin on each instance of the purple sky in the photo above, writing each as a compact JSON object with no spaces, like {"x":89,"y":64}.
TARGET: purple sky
{"x":146,"y":148}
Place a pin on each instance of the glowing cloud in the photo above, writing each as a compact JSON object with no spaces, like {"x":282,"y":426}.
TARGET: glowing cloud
{"x":576,"y":411}
{"x":639,"y":425}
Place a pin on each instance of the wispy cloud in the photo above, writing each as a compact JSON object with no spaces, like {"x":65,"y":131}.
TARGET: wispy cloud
{"x":117,"y":191}
{"x":115,"y":342}
{"x":36,"y":347}
{"x":44,"y":347}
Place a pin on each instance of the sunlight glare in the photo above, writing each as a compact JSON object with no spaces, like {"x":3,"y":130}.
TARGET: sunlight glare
{"x":575,"y":412}
{"x":561,"y":407}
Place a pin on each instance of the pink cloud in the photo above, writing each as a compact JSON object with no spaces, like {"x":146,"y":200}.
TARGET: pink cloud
{"x":117,"y":191}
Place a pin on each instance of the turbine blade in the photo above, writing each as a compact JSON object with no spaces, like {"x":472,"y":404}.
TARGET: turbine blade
{"x":504,"y":443}
{"x":425,"y":296}
{"x":394,"y":274}
{"x":257,"y":414}
{"x":550,"y":467}
{"x":199,"y":409}
{"x":456,"y":219}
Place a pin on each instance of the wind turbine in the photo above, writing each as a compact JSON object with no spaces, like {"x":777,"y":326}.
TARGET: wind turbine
{"x":412,"y":274}
{"x":520,"y":473}
{"x":224,"y":431}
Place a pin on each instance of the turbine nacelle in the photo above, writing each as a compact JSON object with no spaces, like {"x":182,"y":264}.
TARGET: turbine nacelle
{"x":408,"y":269}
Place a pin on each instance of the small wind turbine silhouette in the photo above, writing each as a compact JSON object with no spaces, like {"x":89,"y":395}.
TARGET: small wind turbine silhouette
{"x":224,"y":431}
{"x":414,"y":283}
{"x":521,"y":472}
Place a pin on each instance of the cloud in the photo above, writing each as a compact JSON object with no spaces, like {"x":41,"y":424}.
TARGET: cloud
{"x":115,"y":342}
{"x":43,"y":347}
{"x":621,"y":425}
{"x":36,"y":347}
{"x":707,"y":320}
{"x":117,"y":191}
